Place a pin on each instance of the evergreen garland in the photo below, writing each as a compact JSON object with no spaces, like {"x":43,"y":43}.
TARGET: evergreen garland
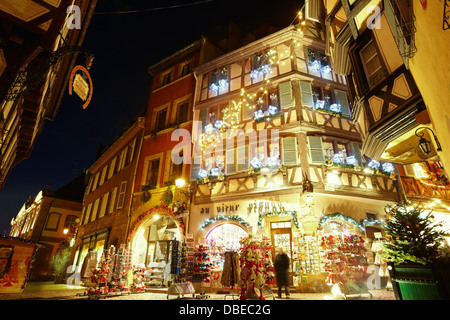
{"x":167,"y":196}
{"x":415,"y":237}
{"x":292,"y":213}
{"x":225,"y":218}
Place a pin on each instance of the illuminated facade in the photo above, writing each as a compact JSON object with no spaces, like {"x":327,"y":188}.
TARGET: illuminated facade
{"x":275,"y":149}
{"x":49,"y":218}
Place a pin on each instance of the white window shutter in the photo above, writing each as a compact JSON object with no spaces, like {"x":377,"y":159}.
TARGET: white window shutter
{"x":203,"y":114}
{"x":242,"y":158}
{"x":316,"y":150}
{"x":356,"y":151}
{"x":307,"y":95}
{"x":289,"y":145}
{"x":286,"y":100}
{"x":343,"y":101}
{"x":230,"y":162}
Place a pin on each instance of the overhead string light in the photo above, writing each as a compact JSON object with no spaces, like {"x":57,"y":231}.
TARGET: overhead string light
{"x":272,"y":58}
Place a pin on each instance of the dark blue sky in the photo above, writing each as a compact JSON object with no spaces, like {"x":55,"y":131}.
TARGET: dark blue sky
{"x":124,"y":45}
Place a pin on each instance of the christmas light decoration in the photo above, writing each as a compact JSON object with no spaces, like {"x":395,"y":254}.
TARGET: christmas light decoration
{"x":225,"y":219}
{"x":291,"y":213}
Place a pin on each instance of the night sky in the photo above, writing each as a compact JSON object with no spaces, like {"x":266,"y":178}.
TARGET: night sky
{"x":124,"y":45}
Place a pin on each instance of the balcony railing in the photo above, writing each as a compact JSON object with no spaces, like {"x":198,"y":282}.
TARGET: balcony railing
{"x":401,"y":18}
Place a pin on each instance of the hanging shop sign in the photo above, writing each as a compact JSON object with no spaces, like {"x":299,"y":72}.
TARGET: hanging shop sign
{"x":81,"y":83}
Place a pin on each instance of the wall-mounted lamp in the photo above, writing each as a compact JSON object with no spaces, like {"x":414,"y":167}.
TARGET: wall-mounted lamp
{"x":424,"y":144}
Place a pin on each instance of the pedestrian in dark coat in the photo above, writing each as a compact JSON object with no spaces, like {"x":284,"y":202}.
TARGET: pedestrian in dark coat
{"x":282,"y":271}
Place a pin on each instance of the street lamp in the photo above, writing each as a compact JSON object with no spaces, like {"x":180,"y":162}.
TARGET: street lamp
{"x":424,"y":144}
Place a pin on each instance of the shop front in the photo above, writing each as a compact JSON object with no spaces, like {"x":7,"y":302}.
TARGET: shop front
{"x":154,"y":240}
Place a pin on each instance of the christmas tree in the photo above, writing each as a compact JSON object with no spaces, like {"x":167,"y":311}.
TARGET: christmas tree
{"x":415,"y":238}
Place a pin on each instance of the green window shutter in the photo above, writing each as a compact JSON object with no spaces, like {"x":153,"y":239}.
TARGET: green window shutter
{"x":289,"y":145}
{"x":343,"y":101}
{"x":202,"y":117}
{"x":307,"y":95}
{"x":356,"y":151}
{"x":316,"y":150}
{"x":195,"y":167}
{"x":286,"y":100}
{"x":242,"y":158}
{"x":230,"y":162}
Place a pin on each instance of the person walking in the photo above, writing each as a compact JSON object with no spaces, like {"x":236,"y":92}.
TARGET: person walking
{"x":282,"y":271}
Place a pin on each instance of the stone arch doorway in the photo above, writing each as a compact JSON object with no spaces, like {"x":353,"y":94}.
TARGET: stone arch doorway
{"x":150,"y":236}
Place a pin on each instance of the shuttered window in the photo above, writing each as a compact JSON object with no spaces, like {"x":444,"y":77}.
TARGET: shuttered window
{"x":289,"y":145}
{"x":356,"y":151}
{"x":242,"y":158}
{"x":195,"y":167}
{"x":316,"y":150}
{"x":113,"y":200}
{"x":104,"y":204}
{"x":342,"y":99}
{"x":203,"y":114}
{"x":123,"y":188}
{"x":230,"y":161}
{"x":307,"y":94}
{"x":286,"y":100}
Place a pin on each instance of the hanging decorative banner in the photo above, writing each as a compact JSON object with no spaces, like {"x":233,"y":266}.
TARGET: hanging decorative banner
{"x":423,"y":3}
{"x":80,"y":85}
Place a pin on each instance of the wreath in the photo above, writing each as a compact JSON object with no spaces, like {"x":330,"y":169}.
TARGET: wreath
{"x":146,"y":194}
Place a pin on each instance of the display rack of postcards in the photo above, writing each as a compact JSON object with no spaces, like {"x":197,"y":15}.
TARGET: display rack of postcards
{"x":155,"y":274}
{"x":190,"y":258}
{"x":309,"y":255}
{"x":179,"y":287}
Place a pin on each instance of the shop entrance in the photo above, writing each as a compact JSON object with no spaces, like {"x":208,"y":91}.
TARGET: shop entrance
{"x":152,"y":240}
{"x":281,"y":236}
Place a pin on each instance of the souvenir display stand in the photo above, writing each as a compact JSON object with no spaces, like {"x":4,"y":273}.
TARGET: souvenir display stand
{"x":201,"y":269}
{"x":308,"y":274}
{"x":109,"y":276}
{"x":180,"y":286}
{"x":346,"y":263}
{"x":253,"y":274}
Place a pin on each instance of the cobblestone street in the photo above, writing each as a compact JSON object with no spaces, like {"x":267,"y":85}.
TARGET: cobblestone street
{"x":50,"y":291}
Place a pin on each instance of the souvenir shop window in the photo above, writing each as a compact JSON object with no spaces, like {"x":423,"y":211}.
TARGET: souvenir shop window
{"x":223,"y":238}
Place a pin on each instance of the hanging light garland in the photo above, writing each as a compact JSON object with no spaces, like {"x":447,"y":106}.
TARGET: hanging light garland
{"x":225,"y":218}
{"x":291,"y":213}
{"x":339,"y":216}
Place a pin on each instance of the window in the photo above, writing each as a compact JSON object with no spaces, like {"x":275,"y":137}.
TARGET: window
{"x":112,"y":166}
{"x":121,"y":199}
{"x":104,"y":204}
{"x":88,"y":213}
{"x":286,"y":99}
{"x":237,"y":160}
{"x":130,"y":152}
{"x":218,"y":81}
{"x":52,"y":221}
{"x":95,"y":209}
{"x":70,"y":223}
{"x":318,"y":64}
{"x":161,"y":120}
{"x":176,"y":170}
{"x":372,"y":64}
{"x":166,"y":78}
{"x":183,"y":112}
{"x":103,"y":175}
{"x":112,"y":202}
{"x":186,"y":69}
{"x":289,"y":145}
{"x":152,"y":173}
{"x":316,"y":150}
{"x":122,"y":159}
{"x":94,"y":186}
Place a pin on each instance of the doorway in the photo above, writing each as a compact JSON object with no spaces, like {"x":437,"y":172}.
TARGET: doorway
{"x":281,"y":236}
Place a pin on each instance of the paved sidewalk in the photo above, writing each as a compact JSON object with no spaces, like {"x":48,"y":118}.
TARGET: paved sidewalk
{"x":50,"y":291}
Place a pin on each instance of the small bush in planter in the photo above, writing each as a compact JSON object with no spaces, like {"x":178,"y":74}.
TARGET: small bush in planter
{"x":416,"y":238}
